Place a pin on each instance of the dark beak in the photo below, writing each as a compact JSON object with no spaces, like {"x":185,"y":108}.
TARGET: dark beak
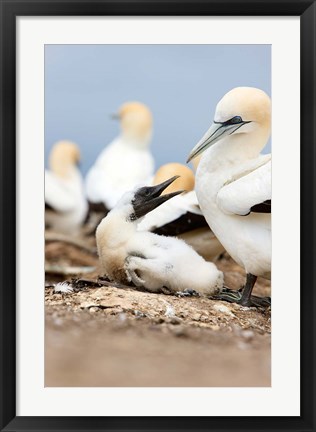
{"x":148,"y":198}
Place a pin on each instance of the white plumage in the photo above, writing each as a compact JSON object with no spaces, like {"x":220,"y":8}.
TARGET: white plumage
{"x":182,"y":216}
{"x":247,"y":189}
{"x":233,"y":180}
{"x":149,"y":260}
{"x":126,"y":161}
{"x":64,"y":193}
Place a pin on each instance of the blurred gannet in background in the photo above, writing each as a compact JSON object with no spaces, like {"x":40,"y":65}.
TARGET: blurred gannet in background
{"x":65,"y":202}
{"x":233,"y":181}
{"x":126,"y":162}
{"x":181,"y":216}
{"x":150,"y":260}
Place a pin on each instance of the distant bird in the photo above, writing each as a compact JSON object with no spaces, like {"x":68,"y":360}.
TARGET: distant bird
{"x":65,"y":203}
{"x":150,"y":260}
{"x":233,"y":181}
{"x":181,"y":216}
{"x":126,"y":162}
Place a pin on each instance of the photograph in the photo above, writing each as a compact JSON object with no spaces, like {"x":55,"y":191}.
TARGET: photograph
{"x":140,"y":256}
{"x":158,"y":237}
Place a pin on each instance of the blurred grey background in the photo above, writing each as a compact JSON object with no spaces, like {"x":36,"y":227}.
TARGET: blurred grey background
{"x":181,"y":84}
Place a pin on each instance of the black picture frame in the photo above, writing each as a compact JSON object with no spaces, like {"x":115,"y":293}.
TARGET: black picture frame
{"x":10,"y":9}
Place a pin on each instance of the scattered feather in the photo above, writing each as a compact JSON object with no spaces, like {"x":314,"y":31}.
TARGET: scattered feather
{"x":63,"y":287}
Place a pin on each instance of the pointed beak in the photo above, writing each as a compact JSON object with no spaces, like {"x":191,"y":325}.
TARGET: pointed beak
{"x":215,"y":133}
{"x":115,"y":116}
{"x":146,"y":202}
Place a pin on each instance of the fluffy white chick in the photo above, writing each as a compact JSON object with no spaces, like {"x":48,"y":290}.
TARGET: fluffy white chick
{"x":149,"y":260}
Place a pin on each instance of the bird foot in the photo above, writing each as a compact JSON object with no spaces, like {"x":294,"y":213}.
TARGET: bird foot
{"x":187,"y":293}
{"x":132,"y":276}
{"x":233,"y":296}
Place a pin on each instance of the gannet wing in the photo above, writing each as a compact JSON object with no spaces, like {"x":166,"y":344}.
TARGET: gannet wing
{"x":249,"y":193}
{"x":57,"y":196}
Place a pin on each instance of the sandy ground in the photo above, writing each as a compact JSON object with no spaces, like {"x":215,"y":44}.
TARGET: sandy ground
{"x":110,"y":336}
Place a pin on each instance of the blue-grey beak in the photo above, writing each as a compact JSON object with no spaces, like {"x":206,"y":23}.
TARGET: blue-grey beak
{"x":115,"y":116}
{"x":215,"y":133}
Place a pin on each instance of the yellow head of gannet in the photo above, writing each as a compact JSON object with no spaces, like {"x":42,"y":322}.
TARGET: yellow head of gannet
{"x":136,"y":121}
{"x":243,"y":112}
{"x":64,"y":156}
{"x":185,"y":181}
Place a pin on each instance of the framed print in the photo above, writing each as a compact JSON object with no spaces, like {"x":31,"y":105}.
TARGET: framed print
{"x":156,"y":312}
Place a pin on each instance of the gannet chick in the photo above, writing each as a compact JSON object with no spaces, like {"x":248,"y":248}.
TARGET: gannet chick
{"x":126,"y":162}
{"x":65,"y":202}
{"x":233,"y":181}
{"x":181,"y":216}
{"x":146,"y":259}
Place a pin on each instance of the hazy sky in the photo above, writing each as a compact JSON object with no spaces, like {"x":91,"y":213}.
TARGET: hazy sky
{"x":181,"y":84}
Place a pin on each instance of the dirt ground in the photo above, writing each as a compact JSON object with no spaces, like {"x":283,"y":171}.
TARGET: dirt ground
{"x":117,"y":336}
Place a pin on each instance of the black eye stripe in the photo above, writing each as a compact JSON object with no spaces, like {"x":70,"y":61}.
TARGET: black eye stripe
{"x":233,"y":121}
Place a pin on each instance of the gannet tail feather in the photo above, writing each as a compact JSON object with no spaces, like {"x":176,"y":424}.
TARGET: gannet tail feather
{"x":264,"y":207}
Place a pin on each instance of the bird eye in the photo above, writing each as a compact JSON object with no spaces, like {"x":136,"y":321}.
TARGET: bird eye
{"x":147,"y":192}
{"x":235,"y":120}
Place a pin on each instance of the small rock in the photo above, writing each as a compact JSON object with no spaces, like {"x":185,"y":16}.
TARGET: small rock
{"x":196,"y":316}
{"x":58,"y":322}
{"x":139,"y":314}
{"x":247,"y":334}
{"x":179,"y":331}
{"x":169,"y":311}
{"x":87,"y":305}
{"x":222,"y":308}
{"x":242,"y":345}
{"x":122,"y":317}
{"x":175,"y":320}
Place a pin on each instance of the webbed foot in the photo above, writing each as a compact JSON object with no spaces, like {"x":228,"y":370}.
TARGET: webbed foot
{"x":234,"y":296}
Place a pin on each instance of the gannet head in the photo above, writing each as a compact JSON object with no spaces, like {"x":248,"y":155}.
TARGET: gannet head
{"x":63,"y":157}
{"x":138,"y":203}
{"x":243,"y":110}
{"x":136,"y":122}
{"x":184,"y":181}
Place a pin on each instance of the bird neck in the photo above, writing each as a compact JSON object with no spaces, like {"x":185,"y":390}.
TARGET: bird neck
{"x":237,"y":148}
{"x":136,"y":140}
{"x":116,"y":228}
{"x":67,"y":171}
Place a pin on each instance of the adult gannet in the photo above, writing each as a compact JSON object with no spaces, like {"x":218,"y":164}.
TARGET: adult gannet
{"x":233,"y":181}
{"x":181,"y":216}
{"x":65,"y":202}
{"x":150,"y":260}
{"x":126,"y":161}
